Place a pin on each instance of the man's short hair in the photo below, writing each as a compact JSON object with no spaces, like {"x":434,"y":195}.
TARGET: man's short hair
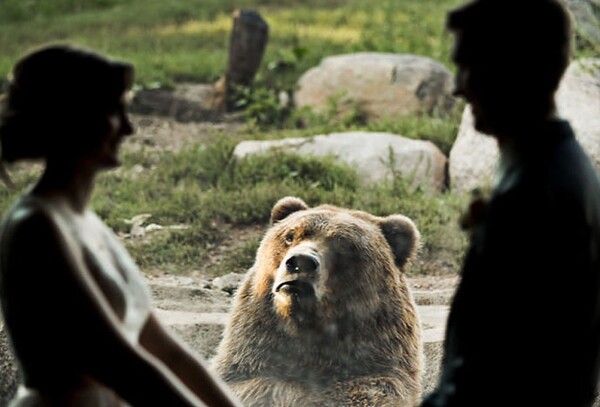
{"x":531,"y":35}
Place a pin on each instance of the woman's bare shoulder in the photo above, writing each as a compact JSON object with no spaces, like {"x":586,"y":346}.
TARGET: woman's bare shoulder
{"x":34,"y":232}
{"x":28,"y":215}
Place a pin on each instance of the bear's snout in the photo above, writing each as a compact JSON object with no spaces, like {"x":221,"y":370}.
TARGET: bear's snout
{"x":298,"y":272}
{"x":302,"y":263}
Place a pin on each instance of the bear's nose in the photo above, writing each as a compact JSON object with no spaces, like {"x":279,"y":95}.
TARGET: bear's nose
{"x":301,"y":263}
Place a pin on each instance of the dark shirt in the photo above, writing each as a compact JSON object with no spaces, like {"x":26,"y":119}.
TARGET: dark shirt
{"x":524,"y":326}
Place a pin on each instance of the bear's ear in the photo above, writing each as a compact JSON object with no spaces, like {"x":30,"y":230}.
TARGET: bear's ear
{"x":285,"y":207}
{"x":402,"y":236}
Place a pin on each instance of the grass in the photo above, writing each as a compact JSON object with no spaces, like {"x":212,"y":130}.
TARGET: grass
{"x":205,"y":189}
{"x":202,"y":187}
{"x":176,"y":40}
{"x":188,"y":39}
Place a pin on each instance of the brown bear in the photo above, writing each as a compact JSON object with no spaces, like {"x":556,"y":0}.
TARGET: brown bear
{"x":325,"y":316}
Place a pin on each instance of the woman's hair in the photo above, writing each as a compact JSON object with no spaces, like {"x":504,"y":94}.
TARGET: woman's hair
{"x":53,"y":94}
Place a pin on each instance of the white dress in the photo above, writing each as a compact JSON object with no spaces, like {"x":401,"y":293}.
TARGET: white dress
{"x":112,"y":269}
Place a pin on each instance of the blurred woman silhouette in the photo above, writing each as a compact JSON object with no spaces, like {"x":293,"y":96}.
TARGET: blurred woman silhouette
{"x":76,"y":308}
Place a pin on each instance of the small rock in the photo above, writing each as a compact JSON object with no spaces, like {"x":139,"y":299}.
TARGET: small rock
{"x":228,"y":283}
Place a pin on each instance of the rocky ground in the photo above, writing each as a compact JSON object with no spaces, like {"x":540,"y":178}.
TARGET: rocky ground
{"x":197,"y":310}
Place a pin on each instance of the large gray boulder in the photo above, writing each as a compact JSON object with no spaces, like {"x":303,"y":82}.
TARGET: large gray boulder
{"x":473,"y":156}
{"x":375,"y":156}
{"x":378,"y":84}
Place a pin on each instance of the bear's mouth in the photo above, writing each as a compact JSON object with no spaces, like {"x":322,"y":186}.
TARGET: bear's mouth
{"x":298,"y":287}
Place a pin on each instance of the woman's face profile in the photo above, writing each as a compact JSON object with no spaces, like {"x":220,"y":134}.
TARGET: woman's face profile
{"x":115,"y":127}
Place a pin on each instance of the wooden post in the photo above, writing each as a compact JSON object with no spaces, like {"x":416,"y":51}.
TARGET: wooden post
{"x":247,"y":45}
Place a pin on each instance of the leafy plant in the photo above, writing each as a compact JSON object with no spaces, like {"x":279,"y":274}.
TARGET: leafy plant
{"x":263,"y":107}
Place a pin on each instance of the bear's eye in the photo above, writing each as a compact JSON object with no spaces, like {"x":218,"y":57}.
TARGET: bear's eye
{"x":289,"y":237}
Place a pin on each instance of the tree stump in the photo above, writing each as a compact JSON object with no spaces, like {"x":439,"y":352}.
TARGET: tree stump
{"x":247,"y":44}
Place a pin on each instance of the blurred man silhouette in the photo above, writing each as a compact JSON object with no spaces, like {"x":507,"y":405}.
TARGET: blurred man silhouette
{"x":524,"y":324}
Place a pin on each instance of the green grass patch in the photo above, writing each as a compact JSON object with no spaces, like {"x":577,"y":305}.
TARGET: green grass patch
{"x":208,"y":191}
{"x":178,"y":40}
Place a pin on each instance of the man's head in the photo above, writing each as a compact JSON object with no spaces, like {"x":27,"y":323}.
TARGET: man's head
{"x":510,"y":57}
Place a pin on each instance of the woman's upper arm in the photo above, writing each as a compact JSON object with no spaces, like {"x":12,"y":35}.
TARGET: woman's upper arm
{"x":161,"y":342}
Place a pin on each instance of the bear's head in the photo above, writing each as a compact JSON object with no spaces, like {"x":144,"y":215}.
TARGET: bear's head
{"x":328,"y":267}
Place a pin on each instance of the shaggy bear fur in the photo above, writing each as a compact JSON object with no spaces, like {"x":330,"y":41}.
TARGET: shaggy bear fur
{"x":325,"y":316}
